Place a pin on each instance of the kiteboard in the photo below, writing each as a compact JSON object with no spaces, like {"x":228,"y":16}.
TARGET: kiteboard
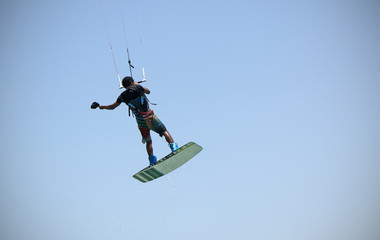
{"x":169,"y":163}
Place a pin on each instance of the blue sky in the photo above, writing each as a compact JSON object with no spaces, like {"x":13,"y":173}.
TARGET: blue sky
{"x":283,"y":97}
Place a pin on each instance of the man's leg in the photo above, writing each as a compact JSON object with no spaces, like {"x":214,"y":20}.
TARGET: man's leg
{"x":173,"y":146}
{"x":146,"y":138}
{"x":149,"y":147}
{"x":168,"y":137}
{"x":156,"y":125}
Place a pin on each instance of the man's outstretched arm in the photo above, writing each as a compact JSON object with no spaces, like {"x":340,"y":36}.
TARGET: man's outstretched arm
{"x":110,"y":107}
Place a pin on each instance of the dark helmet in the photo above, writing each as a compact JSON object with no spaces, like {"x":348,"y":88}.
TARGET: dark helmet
{"x":127,"y":81}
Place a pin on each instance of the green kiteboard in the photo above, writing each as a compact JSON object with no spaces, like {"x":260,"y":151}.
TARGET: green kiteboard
{"x":169,"y":163}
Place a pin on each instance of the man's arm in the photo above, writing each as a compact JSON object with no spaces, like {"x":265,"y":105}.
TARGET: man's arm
{"x":146,"y":90}
{"x":110,"y":107}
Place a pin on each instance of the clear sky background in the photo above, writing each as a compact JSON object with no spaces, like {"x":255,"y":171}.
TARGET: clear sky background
{"x":282,"y":95}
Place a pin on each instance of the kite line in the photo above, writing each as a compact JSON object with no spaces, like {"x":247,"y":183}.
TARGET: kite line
{"x":126,"y":45}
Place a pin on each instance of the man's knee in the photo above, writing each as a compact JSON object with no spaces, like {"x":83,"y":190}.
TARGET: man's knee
{"x":147,"y":140}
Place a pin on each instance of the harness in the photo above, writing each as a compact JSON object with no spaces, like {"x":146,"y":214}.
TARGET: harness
{"x":139,"y":104}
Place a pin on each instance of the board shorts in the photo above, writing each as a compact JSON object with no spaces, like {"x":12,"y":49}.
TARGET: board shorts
{"x":147,"y":121}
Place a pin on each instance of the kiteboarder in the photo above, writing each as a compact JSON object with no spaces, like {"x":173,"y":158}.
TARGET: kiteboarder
{"x":135,"y":98}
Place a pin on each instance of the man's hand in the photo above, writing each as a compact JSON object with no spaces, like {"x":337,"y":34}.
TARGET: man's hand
{"x":94,"y":105}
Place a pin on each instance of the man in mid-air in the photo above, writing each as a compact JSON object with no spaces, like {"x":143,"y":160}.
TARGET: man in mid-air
{"x":134,"y":96}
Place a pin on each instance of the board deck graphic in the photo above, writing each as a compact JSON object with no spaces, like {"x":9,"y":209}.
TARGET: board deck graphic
{"x":169,"y":163}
